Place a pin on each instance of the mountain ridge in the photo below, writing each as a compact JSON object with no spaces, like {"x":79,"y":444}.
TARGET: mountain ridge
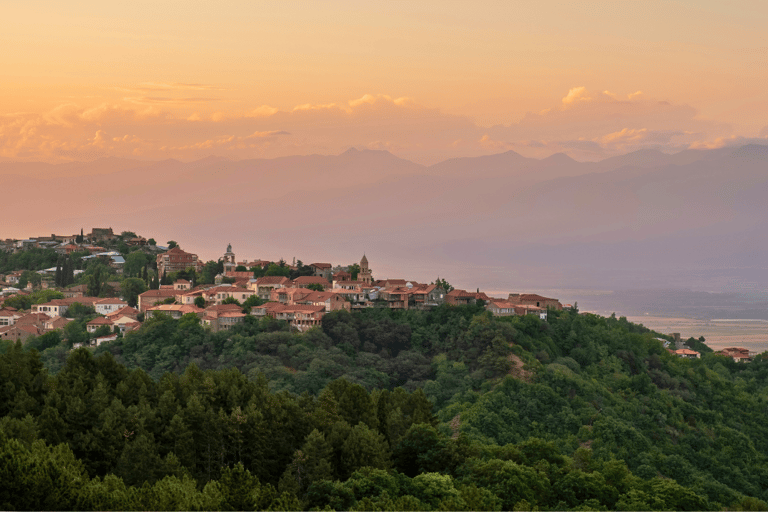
{"x":334,"y":206}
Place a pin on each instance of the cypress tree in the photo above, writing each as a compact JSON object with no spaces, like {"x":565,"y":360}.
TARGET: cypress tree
{"x":57,"y":277}
{"x":64,"y":279}
{"x":69,"y":275}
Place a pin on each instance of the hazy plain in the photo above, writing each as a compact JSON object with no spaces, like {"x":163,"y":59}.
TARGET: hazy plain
{"x":718,"y":333}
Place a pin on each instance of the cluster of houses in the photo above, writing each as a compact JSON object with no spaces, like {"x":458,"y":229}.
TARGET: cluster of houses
{"x":738,"y":354}
{"x":678,"y":348}
{"x":68,"y":244}
{"x":301,"y":302}
{"x":42,"y":318}
{"x":18,"y":325}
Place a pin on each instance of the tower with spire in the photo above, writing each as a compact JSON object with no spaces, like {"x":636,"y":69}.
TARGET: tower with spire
{"x":229,"y":260}
{"x":365,"y":273}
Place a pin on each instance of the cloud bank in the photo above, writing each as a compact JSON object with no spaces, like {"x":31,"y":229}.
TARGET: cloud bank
{"x":586,"y":125}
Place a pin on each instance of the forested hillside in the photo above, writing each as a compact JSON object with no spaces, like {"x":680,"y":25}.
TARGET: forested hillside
{"x":450,"y":409}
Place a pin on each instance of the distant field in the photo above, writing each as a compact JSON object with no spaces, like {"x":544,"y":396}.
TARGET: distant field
{"x":751,"y":334}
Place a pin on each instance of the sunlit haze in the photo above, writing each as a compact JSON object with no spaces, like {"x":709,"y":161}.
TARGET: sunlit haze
{"x":503,"y":145}
{"x":425,"y":80}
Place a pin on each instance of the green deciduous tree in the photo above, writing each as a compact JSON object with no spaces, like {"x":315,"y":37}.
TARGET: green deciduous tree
{"x":135,"y":262}
{"x":131,"y":288}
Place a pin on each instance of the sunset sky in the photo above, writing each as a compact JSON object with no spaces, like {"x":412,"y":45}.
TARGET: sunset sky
{"x":425,"y":80}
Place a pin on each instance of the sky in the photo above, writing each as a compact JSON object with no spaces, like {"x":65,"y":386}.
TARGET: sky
{"x":425,"y":80}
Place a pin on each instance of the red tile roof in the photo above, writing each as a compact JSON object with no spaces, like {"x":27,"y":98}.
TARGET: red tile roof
{"x":306,"y":280}
{"x":125,"y":311}
{"x":100,"y":320}
{"x":272,"y":280}
{"x":242,"y":274}
{"x":160,"y":293}
{"x":176,"y":307}
{"x":32,"y":318}
{"x":111,"y":300}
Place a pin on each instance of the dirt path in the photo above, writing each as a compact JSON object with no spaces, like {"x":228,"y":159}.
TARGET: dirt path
{"x":517,"y":370}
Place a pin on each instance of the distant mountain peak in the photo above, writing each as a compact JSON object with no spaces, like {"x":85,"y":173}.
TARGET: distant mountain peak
{"x":559,"y":157}
{"x":211,"y":158}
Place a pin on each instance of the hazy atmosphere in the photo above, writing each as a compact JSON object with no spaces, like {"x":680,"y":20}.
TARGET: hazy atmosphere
{"x":426,"y":80}
{"x":601,"y":145}
{"x":498,"y":255}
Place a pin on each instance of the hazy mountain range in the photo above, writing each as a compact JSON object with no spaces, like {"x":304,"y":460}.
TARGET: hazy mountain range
{"x":695,"y":219}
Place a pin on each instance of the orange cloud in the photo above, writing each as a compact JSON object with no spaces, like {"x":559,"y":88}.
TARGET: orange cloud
{"x":595,"y":125}
{"x":575,"y":95}
{"x":585,"y":125}
{"x":625,"y":135}
{"x":486,"y":142}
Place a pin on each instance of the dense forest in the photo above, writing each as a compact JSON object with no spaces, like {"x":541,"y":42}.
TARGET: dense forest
{"x":449,"y":409}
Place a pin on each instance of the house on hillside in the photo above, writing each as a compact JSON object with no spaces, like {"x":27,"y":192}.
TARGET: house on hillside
{"x":56,"y":322}
{"x":304,"y":281}
{"x":55,"y":307}
{"x":152,"y":297}
{"x":14,"y":277}
{"x":288,"y":295}
{"x":8,"y":316}
{"x":532,"y":299}
{"x":687,"y":353}
{"x":329,"y":300}
{"x":499,"y":307}
{"x":219,"y":294}
{"x":182,"y":284}
{"x":396,"y":298}
{"x":109,"y":305}
{"x":190,"y":296}
{"x":457,"y":297}
{"x":324,"y":270}
{"x":301,"y":317}
{"x":75,"y":291}
{"x":356,"y":297}
{"x":738,"y":354}
{"x":263,"y":286}
{"x":19,"y":332}
{"x":98,"y":322}
{"x":175,"y":260}
{"x":341,"y":276}
{"x":175,"y":311}
{"x":223,"y":317}
{"x":426,"y":296}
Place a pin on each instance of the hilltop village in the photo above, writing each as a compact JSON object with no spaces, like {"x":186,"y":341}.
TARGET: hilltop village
{"x":114,"y":282}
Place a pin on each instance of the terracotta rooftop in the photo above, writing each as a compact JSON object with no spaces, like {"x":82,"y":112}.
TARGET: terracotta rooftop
{"x":272,"y":280}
